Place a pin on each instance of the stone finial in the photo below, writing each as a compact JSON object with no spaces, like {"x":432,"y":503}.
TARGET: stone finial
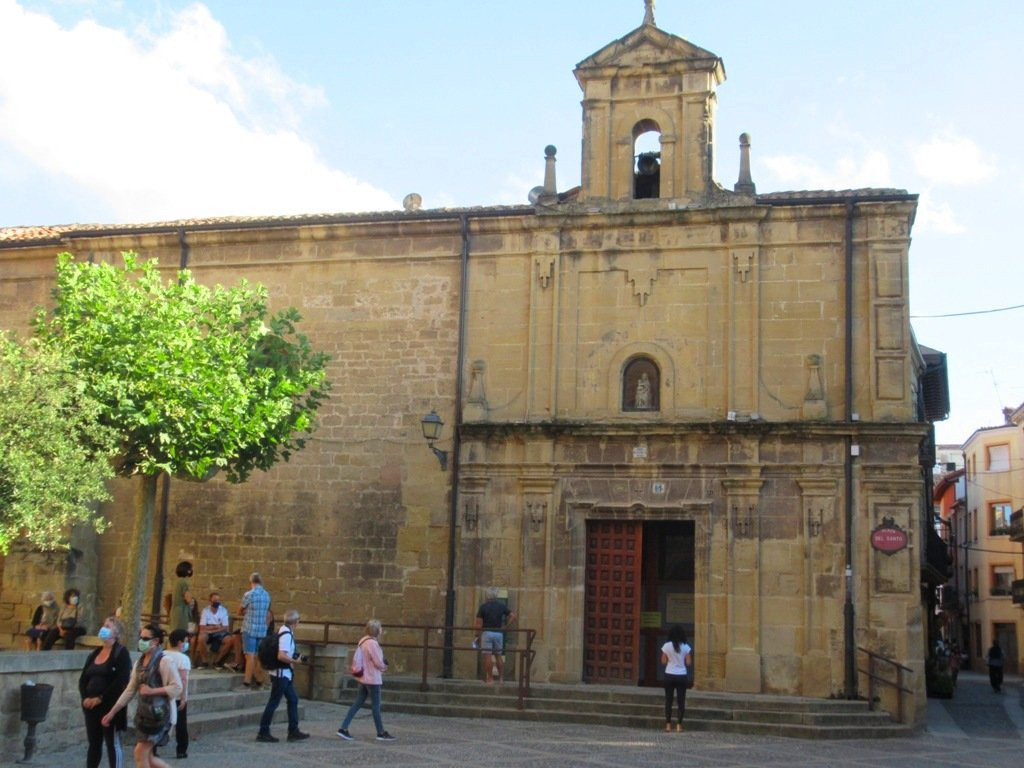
{"x":745,"y":185}
{"x":550,"y":188}
{"x":649,"y":12}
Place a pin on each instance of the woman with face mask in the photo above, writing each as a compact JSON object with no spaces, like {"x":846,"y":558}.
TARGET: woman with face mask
{"x":68,"y":627}
{"x":150,"y":639}
{"x":104,"y":678}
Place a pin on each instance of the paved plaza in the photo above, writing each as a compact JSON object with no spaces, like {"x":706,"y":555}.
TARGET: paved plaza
{"x":976,"y":728}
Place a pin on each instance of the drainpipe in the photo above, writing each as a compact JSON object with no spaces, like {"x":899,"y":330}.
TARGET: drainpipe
{"x":449,"y":602}
{"x":967,"y":571}
{"x":161,"y":542}
{"x":849,"y":638}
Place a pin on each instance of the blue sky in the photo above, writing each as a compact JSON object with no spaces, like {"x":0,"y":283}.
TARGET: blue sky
{"x":135,"y":110}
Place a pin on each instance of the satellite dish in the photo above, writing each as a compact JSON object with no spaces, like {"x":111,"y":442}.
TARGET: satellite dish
{"x":412,"y":202}
{"x":535,"y":195}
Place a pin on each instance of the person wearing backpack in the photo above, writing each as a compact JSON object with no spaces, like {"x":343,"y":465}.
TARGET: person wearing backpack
{"x":367,"y":665}
{"x":282,"y":681}
{"x":155,"y":679}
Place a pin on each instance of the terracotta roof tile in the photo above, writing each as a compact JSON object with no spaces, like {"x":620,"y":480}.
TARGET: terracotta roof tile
{"x":41,"y":234}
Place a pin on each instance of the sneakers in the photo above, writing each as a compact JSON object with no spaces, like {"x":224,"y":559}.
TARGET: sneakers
{"x":266,"y":737}
{"x":382,"y":736}
{"x":297,"y":736}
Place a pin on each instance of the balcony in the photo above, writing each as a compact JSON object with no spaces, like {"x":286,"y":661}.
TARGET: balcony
{"x":950,"y":598}
{"x":1016,"y":530}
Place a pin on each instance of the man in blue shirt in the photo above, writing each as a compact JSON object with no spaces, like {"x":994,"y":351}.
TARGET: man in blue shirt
{"x":255,"y":606}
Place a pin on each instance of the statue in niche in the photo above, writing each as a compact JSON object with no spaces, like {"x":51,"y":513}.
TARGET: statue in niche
{"x":642,"y":399}
{"x":640,"y":382}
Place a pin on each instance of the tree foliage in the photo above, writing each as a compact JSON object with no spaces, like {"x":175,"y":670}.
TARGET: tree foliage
{"x":54,"y":454}
{"x":194,"y":379}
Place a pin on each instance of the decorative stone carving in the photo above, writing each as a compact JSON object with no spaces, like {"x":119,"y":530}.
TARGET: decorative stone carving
{"x":815,"y":406}
{"x":476,"y":403}
{"x":535,"y":513}
{"x":471,"y":513}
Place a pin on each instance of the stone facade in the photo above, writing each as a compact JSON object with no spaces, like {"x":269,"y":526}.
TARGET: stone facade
{"x":775,"y":426}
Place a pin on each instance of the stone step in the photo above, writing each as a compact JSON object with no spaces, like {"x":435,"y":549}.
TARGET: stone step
{"x":218,"y":702}
{"x":644,"y":708}
{"x":693,"y":721}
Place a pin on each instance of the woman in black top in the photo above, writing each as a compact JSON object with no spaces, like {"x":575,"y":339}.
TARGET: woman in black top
{"x":103,"y":680}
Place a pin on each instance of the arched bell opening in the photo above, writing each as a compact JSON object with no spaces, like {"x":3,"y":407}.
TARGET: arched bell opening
{"x":646,"y":160}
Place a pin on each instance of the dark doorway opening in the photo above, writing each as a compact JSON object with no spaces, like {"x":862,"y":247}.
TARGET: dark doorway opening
{"x":667,"y":591}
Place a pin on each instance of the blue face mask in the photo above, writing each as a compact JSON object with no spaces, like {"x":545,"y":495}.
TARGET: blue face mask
{"x":105,"y":634}
{"x":184,"y":647}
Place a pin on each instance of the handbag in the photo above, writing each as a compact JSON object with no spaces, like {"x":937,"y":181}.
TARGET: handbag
{"x":153,"y":713}
{"x":68,"y":623}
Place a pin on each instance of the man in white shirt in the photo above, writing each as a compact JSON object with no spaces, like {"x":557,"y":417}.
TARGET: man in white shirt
{"x":215,"y":634}
{"x":282,"y":683}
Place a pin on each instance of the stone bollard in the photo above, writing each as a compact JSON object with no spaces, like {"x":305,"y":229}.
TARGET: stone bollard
{"x":35,"y":701}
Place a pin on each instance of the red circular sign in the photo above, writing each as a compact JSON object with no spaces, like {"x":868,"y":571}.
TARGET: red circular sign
{"x":889,"y":539}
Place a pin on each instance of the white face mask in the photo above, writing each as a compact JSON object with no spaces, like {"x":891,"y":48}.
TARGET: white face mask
{"x":74,"y":600}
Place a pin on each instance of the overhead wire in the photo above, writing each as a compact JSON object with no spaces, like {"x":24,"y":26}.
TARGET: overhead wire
{"x":965,"y":314}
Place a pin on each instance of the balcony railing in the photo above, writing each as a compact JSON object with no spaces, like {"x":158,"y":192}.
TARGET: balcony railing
{"x":1017,"y":525}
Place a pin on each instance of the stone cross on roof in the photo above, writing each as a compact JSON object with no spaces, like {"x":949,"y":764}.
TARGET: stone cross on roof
{"x":649,"y":12}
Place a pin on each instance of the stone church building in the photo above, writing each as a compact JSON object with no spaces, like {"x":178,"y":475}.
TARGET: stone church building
{"x":664,"y":401}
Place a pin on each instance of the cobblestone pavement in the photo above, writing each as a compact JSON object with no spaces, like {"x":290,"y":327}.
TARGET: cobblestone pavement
{"x":977,"y":728}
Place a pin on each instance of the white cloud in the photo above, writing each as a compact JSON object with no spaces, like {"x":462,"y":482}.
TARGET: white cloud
{"x":795,"y":172}
{"x":952,"y":160}
{"x":164,"y":125}
{"x":935,"y":216}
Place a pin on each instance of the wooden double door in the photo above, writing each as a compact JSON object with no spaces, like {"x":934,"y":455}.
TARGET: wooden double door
{"x":639,"y":581}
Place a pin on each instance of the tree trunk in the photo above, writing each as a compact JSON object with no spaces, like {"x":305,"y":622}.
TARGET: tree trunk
{"x":138,"y":558}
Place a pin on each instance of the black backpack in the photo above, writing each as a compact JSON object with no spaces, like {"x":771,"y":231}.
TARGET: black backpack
{"x":268,"y":649}
{"x":153,"y":713}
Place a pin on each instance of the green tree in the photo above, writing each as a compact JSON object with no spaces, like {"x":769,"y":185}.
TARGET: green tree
{"x":54,"y":454}
{"x":194,"y":379}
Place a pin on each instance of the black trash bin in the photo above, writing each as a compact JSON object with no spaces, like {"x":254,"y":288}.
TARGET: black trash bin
{"x":35,"y":700}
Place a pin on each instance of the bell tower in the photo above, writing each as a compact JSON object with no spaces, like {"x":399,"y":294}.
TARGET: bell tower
{"x":648,"y":117}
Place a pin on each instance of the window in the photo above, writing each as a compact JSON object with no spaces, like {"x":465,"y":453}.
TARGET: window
{"x":1002,"y":580}
{"x":998,"y":458}
{"x":1000,"y":519}
{"x":641,"y":382}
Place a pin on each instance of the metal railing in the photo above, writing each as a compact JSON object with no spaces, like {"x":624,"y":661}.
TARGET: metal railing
{"x":877,"y":661}
{"x":428,"y":637}
{"x":319,"y":634}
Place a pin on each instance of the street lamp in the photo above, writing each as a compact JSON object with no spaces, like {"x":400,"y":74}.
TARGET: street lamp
{"x":432,"y":426}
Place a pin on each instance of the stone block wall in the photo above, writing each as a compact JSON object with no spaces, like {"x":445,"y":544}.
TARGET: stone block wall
{"x":63,"y":726}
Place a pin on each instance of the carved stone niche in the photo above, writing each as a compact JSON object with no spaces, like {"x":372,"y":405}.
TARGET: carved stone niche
{"x":641,"y":385}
